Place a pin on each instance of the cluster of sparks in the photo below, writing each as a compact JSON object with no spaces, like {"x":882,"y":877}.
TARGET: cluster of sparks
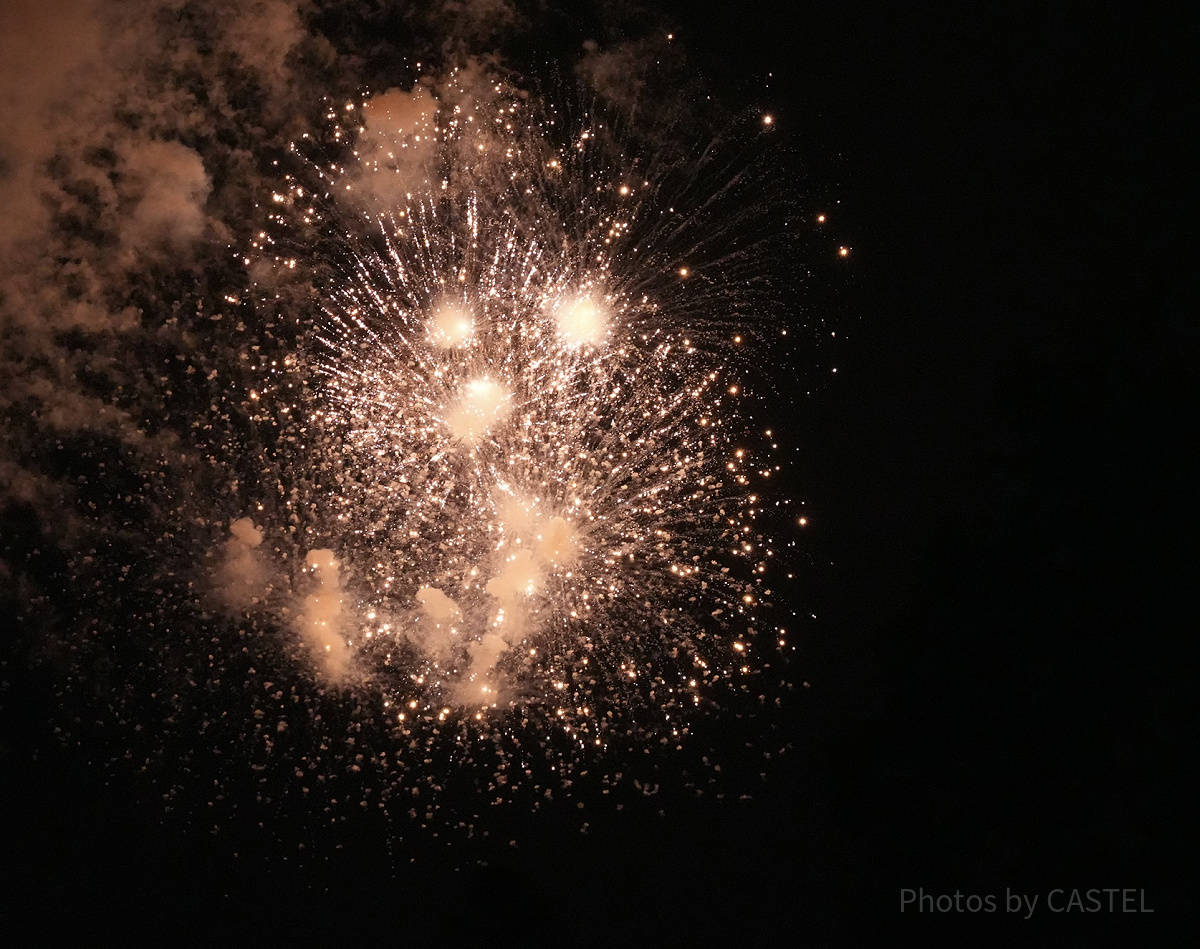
{"x":535,"y":490}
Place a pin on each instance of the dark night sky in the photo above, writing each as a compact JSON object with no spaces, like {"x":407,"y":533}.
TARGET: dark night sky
{"x":1003,"y":532}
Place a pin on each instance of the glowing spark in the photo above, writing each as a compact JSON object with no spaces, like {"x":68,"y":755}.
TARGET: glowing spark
{"x":451,"y":325}
{"x":581,"y":321}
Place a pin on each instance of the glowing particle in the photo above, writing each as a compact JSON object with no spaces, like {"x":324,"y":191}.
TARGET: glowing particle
{"x":581,"y":321}
{"x":451,"y":325}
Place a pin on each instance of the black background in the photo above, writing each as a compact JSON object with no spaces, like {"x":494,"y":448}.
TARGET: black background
{"x":1003,"y":537}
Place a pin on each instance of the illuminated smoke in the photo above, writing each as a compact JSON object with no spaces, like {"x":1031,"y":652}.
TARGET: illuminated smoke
{"x":439,"y":631}
{"x":322,"y":620}
{"x":243,"y":580}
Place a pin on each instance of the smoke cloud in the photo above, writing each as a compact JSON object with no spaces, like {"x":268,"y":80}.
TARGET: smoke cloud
{"x":243,"y":581}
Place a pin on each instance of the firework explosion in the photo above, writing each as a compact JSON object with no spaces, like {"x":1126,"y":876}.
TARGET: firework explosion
{"x":439,"y":489}
{"x":531,"y":488}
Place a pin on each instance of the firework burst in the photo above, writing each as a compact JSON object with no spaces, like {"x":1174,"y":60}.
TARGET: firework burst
{"x":526,"y":482}
{"x":457,"y":499}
